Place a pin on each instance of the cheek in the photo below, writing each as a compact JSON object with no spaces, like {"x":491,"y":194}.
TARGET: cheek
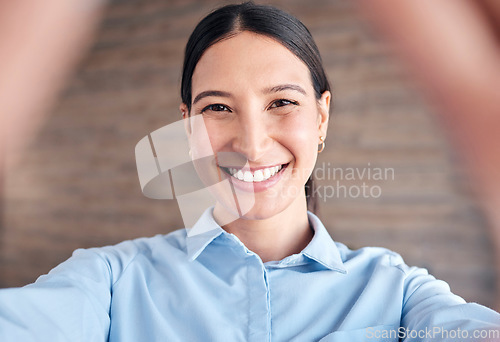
{"x":301,"y":134}
{"x":218,"y":136}
{"x":207,"y":137}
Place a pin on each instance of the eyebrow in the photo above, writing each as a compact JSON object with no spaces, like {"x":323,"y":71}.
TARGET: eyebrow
{"x":274,"y":89}
{"x":282,"y":87}
{"x":211,"y":93}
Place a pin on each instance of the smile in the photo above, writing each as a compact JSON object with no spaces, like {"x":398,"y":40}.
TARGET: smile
{"x":256,"y":176}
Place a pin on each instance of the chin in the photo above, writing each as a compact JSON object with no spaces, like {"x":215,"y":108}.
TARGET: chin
{"x":262,"y":209}
{"x":258,"y":213}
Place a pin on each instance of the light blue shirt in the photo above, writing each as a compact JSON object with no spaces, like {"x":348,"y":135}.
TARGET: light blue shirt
{"x":210,"y":287}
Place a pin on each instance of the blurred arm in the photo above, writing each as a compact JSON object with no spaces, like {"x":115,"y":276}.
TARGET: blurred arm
{"x":452,"y":47}
{"x":40,"y":43}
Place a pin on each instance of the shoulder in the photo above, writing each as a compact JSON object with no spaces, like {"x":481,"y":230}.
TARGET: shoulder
{"x":117,"y":258}
{"x":129,"y":249}
{"x":385,"y":267}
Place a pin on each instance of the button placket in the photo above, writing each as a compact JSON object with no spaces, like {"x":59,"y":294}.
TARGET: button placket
{"x":259,"y":324}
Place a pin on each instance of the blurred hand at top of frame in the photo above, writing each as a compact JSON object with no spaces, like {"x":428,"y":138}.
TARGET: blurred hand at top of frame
{"x":40,"y":44}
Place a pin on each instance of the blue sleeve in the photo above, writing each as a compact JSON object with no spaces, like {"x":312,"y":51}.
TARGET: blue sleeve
{"x":71,"y":303}
{"x":431,"y":312}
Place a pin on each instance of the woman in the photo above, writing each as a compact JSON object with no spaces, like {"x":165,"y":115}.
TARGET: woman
{"x":269,"y":271}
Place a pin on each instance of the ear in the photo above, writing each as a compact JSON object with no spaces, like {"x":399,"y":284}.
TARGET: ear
{"x":185,"y":116}
{"x":323,"y":113}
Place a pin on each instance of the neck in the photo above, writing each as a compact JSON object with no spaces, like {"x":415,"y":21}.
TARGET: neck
{"x":276,"y":237}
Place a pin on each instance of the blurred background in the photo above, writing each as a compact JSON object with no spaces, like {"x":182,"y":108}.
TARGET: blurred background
{"x":76,"y":183}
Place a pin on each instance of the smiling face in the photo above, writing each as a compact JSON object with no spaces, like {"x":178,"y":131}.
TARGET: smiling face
{"x":263,"y":121}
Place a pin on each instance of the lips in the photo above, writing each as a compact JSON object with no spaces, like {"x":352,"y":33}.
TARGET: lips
{"x":255,"y":176}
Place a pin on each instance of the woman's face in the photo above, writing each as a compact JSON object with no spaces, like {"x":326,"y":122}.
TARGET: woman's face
{"x":263,"y":121}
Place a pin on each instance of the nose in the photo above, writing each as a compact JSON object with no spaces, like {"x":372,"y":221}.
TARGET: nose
{"x":252,"y":138}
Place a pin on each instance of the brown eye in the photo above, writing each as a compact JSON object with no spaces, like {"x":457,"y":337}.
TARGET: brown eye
{"x":282,"y":103}
{"x":216,"y":108}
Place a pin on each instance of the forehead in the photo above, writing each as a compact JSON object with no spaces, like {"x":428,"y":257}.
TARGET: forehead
{"x":248,"y":60}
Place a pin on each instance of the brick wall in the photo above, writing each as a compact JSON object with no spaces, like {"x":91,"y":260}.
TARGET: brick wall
{"x":77,"y":186}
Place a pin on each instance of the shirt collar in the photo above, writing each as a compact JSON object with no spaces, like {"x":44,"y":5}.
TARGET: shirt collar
{"x":321,"y":249}
{"x":204,"y":231}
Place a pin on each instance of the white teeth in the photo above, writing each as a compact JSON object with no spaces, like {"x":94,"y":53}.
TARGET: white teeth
{"x":257,"y":176}
{"x":267,"y":173}
{"x":248,"y":177}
